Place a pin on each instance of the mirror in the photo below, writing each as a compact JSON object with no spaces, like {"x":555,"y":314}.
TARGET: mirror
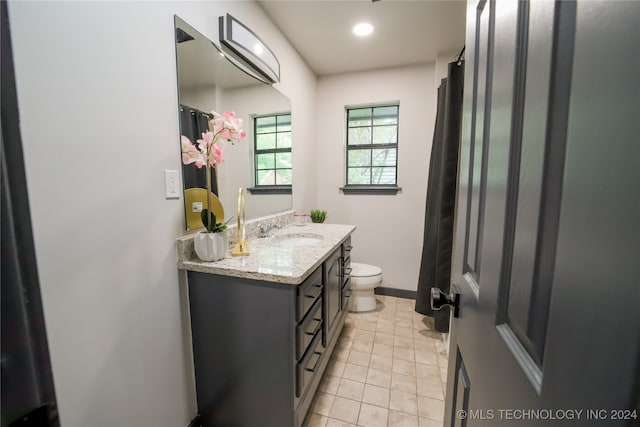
{"x":208,"y":81}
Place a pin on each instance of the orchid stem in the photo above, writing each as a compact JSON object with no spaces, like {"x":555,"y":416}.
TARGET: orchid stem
{"x":208,"y":173}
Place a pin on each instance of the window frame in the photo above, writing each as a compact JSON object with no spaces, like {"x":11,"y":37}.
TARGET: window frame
{"x":271,"y":188}
{"x":371,"y":188}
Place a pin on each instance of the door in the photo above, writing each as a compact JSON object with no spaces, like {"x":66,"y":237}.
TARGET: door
{"x":547,"y":250}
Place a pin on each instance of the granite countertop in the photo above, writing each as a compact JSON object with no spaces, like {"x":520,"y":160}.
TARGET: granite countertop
{"x":271,"y":261}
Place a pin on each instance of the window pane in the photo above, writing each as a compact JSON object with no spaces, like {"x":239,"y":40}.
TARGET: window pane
{"x":359,"y":136}
{"x":359,"y":157}
{"x":385,"y":115}
{"x":366,"y":129}
{"x":384,"y":157}
{"x":283,"y":160}
{"x":359,"y":176}
{"x":284,"y":140}
{"x":265,"y":161}
{"x":273,"y":150}
{"x":385,"y":134}
{"x":265,"y":124}
{"x":284,"y":123}
{"x":283,"y":177}
{"x":265,"y":177}
{"x":383,"y":176}
{"x":266,"y":142}
{"x":359,"y":117}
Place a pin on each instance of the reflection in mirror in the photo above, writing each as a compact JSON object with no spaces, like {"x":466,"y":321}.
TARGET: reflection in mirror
{"x":272,"y":151}
{"x":208,"y":81}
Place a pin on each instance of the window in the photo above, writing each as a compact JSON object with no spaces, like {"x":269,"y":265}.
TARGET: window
{"x":272,"y":136}
{"x":372,"y":149}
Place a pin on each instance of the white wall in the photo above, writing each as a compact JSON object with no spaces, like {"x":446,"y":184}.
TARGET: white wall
{"x":204,"y":98}
{"x":389,"y":228}
{"x":98,"y":102}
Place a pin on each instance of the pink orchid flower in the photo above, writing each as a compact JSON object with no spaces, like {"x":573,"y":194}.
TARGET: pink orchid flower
{"x":224,"y":133}
{"x":226,"y":127}
{"x":190,"y":153}
{"x":205,"y":141}
{"x":217,"y":152}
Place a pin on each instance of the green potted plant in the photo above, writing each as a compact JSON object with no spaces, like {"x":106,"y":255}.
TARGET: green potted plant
{"x":317,"y":216}
{"x":212,"y":244}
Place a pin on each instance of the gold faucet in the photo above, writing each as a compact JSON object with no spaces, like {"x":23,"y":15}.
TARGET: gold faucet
{"x":242,"y":248}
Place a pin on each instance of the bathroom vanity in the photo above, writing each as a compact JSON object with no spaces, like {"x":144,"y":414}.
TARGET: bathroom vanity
{"x":264,"y":326}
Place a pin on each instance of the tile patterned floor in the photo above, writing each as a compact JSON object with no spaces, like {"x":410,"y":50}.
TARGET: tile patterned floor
{"x":388,"y":369}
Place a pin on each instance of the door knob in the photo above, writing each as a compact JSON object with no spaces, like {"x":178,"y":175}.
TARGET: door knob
{"x":439,"y":299}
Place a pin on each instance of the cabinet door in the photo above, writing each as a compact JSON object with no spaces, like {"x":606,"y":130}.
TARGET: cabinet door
{"x":333,"y":284}
{"x":346,"y":262}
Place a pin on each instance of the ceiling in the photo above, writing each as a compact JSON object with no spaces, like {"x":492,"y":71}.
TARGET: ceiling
{"x":406,"y":31}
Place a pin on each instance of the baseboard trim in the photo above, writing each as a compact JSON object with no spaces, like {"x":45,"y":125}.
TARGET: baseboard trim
{"x":392,"y":292}
{"x":195,"y":422}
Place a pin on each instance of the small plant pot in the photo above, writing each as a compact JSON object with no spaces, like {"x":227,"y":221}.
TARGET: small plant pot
{"x":210,"y":246}
{"x":317,"y":216}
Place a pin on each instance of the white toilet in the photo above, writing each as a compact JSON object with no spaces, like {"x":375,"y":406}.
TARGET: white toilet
{"x":364,"y":279}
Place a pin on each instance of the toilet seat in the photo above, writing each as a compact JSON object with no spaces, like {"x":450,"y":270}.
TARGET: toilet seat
{"x":364,"y":270}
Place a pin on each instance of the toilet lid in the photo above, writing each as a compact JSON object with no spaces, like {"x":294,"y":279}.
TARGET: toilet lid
{"x":364,"y":270}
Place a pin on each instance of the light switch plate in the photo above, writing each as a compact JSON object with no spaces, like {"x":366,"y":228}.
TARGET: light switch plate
{"x":171,"y":184}
{"x":196,"y":207}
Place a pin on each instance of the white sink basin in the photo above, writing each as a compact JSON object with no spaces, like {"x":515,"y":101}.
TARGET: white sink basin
{"x":297,"y":239}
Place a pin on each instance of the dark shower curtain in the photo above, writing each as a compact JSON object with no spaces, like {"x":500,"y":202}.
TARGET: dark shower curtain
{"x":193,"y":123}
{"x":435,"y":268}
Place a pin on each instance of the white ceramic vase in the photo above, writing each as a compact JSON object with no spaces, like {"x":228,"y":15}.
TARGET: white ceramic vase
{"x":210,"y":246}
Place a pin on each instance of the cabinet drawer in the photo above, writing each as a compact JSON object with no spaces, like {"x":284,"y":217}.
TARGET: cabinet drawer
{"x":346,"y":248}
{"x":346,"y":269}
{"x":346,"y":294}
{"x":308,"y":366}
{"x":308,"y":328}
{"x":309,"y":292}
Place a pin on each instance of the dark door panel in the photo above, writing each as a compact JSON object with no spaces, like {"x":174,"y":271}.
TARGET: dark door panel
{"x":460,"y":393}
{"x":547,"y":228}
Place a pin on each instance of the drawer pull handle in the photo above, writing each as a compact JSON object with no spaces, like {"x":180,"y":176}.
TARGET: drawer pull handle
{"x":348,"y":248}
{"x":315,"y":294}
{"x":315,"y":365}
{"x":348,"y":270}
{"x":317,"y":327}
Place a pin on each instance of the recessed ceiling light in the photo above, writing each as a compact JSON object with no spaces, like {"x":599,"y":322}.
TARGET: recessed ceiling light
{"x":363,"y":29}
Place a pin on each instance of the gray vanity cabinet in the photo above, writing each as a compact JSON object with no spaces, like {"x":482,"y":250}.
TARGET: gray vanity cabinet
{"x":346,"y":274}
{"x":337,"y":270}
{"x":260,"y":348}
{"x":333,"y":282}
